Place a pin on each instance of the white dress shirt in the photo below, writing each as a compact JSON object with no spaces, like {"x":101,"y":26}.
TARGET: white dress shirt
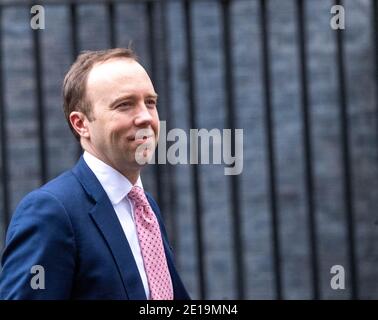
{"x":117,"y":186}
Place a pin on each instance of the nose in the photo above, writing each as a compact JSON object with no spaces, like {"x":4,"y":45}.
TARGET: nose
{"x":143,"y":117}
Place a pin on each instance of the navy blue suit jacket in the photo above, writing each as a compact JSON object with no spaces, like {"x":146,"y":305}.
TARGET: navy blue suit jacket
{"x":70,"y":228}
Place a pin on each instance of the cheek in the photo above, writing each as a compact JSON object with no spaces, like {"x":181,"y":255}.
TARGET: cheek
{"x":119,"y":133}
{"x":117,"y":126}
{"x":95,"y":131}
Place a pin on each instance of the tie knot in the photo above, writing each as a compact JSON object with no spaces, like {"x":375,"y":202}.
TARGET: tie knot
{"x":137,"y":195}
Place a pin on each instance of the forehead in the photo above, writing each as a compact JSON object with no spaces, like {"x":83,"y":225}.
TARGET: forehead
{"x":121,"y":76}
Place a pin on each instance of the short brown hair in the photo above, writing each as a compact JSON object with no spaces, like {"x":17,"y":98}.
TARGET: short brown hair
{"x":75,"y":81}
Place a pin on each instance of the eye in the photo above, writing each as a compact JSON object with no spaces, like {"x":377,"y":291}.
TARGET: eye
{"x":125,"y":104}
{"x":151,"y":103}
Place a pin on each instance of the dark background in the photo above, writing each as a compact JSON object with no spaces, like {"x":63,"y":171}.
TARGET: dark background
{"x":304,"y":94}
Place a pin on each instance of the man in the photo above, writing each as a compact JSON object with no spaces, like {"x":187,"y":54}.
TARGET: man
{"x":92,"y":232}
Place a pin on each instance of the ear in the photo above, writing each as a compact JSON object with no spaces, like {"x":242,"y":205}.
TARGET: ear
{"x":79,"y":122}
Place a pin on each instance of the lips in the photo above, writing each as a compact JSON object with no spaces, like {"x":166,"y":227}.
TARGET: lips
{"x":144,"y":137}
{"x":141,"y":139}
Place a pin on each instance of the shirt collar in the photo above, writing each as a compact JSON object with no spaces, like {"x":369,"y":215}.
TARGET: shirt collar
{"x":116,"y":185}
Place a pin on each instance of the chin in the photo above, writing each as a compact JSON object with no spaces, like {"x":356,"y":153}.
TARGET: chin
{"x":143,"y":155}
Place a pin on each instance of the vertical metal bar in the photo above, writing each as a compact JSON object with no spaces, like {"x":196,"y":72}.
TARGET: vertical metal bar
{"x":3,"y":137}
{"x":74,"y":30}
{"x":150,"y":7}
{"x":171,"y":176}
{"x":265,"y":54}
{"x":40,"y":107}
{"x":192,"y":123}
{"x":307,"y":145}
{"x":375,"y":50}
{"x":112,"y":24}
{"x":235,"y":209}
{"x":347,"y":170}
{"x":73,"y":17}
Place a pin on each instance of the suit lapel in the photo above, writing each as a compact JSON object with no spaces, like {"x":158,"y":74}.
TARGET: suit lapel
{"x":107,"y":222}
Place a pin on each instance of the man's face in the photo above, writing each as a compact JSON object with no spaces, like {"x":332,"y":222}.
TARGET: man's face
{"x":123,"y":102}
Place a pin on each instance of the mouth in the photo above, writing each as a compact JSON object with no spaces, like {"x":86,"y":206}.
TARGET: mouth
{"x":141,"y":139}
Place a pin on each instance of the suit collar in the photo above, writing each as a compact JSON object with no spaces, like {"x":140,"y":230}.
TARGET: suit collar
{"x":88,"y":180}
{"x":115,"y":184}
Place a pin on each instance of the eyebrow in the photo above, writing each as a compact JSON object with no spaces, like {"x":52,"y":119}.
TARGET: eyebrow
{"x":132,"y":97}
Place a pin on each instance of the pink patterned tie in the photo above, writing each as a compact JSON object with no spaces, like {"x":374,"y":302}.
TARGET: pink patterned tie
{"x":151,"y":245}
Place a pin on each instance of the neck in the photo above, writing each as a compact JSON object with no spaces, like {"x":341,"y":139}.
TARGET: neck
{"x":132,"y":174}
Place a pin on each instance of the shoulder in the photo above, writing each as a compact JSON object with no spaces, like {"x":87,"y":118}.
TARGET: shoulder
{"x":39,"y":233}
{"x":59,"y":191}
{"x":40,"y":211}
{"x":64,"y":185}
{"x":47,"y":204}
